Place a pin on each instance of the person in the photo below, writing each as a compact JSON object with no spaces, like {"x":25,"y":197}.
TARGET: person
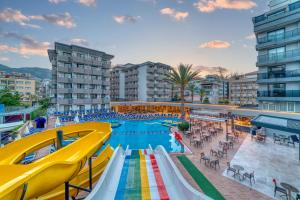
{"x":40,"y":122}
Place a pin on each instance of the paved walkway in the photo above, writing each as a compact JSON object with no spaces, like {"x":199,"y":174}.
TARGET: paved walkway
{"x":232,"y":190}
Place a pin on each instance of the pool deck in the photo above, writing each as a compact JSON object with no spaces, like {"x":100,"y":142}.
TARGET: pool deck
{"x":230,"y":189}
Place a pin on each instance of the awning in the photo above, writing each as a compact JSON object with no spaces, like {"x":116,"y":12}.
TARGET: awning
{"x":278,"y":123}
{"x":205,"y":118}
{"x":205,"y":112}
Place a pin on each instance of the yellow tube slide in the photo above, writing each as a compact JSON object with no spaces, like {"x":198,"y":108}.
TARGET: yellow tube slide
{"x":82,"y":178}
{"x":52,"y":170}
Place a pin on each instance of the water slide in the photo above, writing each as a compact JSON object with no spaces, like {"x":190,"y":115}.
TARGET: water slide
{"x":143,"y":174}
{"x":51,"y":171}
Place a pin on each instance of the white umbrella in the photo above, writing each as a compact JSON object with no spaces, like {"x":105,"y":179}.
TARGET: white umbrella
{"x":76,"y":119}
{"x":30,"y":125}
{"x":26,"y":131}
{"x":57,"y":122}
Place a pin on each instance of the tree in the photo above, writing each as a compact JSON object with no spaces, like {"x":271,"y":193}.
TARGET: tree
{"x":44,"y":102}
{"x":182,"y":77}
{"x":191,"y":88}
{"x":10,"y":98}
{"x":202,"y":94}
{"x":206,"y":100}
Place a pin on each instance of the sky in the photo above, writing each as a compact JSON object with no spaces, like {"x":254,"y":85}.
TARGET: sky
{"x":205,"y":33}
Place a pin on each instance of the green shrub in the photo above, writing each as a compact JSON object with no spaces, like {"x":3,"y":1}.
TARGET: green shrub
{"x":183,"y":126}
{"x":38,"y":112}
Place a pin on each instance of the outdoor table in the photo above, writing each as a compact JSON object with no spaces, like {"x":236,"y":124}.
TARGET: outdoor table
{"x":197,"y":141}
{"x":238,"y":168}
{"x":289,"y":188}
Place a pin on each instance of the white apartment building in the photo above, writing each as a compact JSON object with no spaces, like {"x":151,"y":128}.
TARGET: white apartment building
{"x":80,"y":78}
{"x":243,"y":89}
{"x":141,"y":82}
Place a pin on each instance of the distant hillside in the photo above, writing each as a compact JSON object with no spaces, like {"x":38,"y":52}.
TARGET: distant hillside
{"x":36,"y":72}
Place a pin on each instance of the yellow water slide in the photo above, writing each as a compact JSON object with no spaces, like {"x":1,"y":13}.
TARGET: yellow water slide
{"x":51,"y":171}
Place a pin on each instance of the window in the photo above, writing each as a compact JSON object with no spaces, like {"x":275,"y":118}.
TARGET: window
{"x":80,"y":96}
{"x":291,"y":106}
{"x":67,"y":96}
{"x":67,"y":85}
{"x":27,"y":82}
{"x":276,"y":35}
{"x":67,"y":108}
{"x":66,"y":54}
{"x":80,"y":86}
{"x":79,"y":76}
{"x":277,"y":53}
{"x":20,"y":82}
{"x":94,"y":77}
{"x":81,"y":107}
{"x":271,"y":106}
{"x":81,"y":66}
{"x":79,"y":55}
{"x":93,"y":96}
{"x":68,"y":65}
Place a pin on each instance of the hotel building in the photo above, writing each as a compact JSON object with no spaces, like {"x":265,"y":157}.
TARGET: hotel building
{"x":21,"y":83}
{"x":141,"y":82}
{"x":80,"y":78}
{"x":278,"y":45}
{"x":243,"y":89}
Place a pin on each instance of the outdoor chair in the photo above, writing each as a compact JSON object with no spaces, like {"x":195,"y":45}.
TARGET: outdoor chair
{"x":214,"y":164}
{"x":293,"y":139}
{"x":213,"y":152}
{"x":205,"y":158}
{"x":231,"y":169}
{"x":276,"y":138}
{"x":250,"y":176}
{"x":280,"y":190}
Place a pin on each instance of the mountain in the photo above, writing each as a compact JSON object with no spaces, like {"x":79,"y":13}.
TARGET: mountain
{"x":36,"y":72}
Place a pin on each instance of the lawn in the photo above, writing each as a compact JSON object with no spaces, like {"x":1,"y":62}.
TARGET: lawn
{"x":206,"y":186}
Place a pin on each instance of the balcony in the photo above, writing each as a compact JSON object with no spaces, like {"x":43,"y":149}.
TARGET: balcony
{"x":286,"y":56}
{"x":281,"y":37}
{"x":279,"y":93}
{"x":285,"y":74}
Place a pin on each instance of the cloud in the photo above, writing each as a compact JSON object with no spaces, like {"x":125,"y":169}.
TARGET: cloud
{"x":121,"y":19}
{"x":57,"y":1}
{"x":205,"y":70}
{"x":27,"y":47}
{"x":88,"y":3}
{"x":215,"y":44}
{"x":10,"y":15}
{"x":4,"y":59}
{"x":177,"y":15}
{"x":65,"y":20}
{"x":79,"y":41}
{"x":251,"y":37}
{"x":212,"y":5}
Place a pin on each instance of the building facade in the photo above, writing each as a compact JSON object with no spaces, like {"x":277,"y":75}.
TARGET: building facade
{"x":21,"y":83}
{"x":141,"y":82}
{"x":215,"y":89}
{"x":80,"y":78}
{"x":278,"y":45}
{"x":243,"y":89}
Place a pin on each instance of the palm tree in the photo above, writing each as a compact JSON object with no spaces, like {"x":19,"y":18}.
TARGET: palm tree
{"x":191,"y":88}
{"x":202,"y":94}
{"x":182,"y":77}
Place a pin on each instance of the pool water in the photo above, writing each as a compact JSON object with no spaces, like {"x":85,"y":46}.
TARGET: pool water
{"x":138,"y":134}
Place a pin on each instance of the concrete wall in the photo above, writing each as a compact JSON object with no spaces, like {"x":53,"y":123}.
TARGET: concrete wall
{"x":142,"y":83}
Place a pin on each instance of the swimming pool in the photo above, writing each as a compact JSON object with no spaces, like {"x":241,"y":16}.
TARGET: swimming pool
{"x":138,"y":134}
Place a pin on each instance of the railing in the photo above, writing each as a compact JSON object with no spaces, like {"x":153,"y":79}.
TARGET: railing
{"x":280,"y":37}
{"x":293,"y":73}
{"x":279,"y":93}
{"x":292,"y":7}
{"x":279,"y":56}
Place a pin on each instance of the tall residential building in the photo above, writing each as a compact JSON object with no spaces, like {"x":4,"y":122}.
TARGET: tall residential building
{"x":141,"y":82}
{"x":278,"y":45}
{"x":21,"y":83}
{"x":80,"y":77}
{"x":243,"y":89}
{"x":215,"y":89}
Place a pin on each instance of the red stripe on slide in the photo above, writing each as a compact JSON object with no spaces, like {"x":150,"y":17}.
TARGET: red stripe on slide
{"x":159,"y":181}
{"x":145,"y":151}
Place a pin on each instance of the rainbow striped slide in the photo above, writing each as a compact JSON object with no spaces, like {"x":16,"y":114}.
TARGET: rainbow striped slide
{"x":143,"y":175}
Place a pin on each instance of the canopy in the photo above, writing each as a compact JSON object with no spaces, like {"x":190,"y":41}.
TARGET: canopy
{"x":278,"y":123}
{"x":205,"y":112}
{"x":205,"y":118}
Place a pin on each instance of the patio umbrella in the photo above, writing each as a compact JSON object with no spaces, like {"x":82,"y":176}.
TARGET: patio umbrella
{"x":26,"y":131}
{"x":30,"y":125}
{"x":57,"y":122}
{"x":76,"y":119}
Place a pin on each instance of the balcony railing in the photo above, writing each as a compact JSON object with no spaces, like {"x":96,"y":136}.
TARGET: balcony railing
{"x":291,"y":7}
{"x":286,"y":74}
{"x":279,"y":93}
{"x":280,"y":37}
{"x":279,"y":56}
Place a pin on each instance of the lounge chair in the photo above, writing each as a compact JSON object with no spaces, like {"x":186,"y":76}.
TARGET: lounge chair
{"x":276,"y":138}
{"x":280,"y":190}
{"x":205,"y":158}
{"x":293,"y":139}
